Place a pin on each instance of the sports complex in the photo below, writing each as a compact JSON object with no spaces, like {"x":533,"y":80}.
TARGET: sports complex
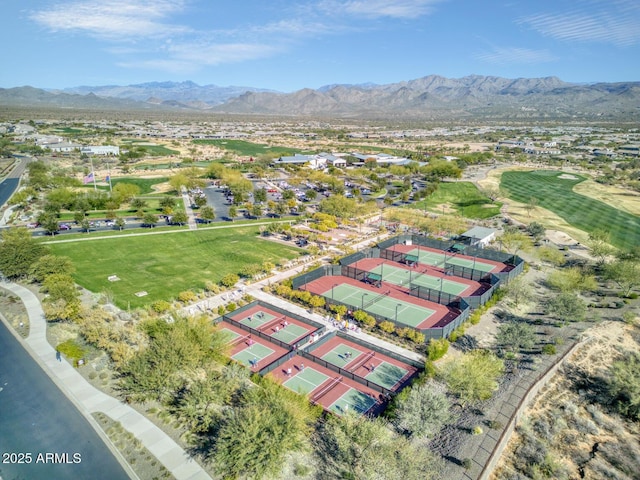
{"x":335,"y":371}
{"x":414,"y":281}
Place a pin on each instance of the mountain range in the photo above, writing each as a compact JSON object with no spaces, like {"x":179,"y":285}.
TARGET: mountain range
{"x":430,"y":97}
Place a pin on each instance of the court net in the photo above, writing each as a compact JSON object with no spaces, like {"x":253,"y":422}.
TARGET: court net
{"x":272,"y":323}
{"x":375,"y":299}
{"x":362,"y":362}
{"x":327,"y":389}
{"x":239,"y":340}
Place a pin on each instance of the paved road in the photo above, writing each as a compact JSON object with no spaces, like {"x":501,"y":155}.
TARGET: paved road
{"x":36,"y":418}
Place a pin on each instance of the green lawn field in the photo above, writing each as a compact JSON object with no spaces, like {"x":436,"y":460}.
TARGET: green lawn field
{"x":464,"y":197}
{"x":556,"y":194}
{"x":165,"y":265}
{"x":242,"y":147}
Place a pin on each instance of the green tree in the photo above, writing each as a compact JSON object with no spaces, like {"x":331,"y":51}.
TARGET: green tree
{"x":49,"y":223}
{"x":280,"y":209}
{"x":138,"y":203}
{"x":124,"y":192}
{"x":567,"y":307}
{"x":424,"y":411}
{"x":149,"y":219}
{"x":49,"y":265}
{"x":201,"y":402}
{"x":599,"y":245}
{"x":338,"y":206}
{"x":474,"y":376}
{"x":256,"y":210}
{"x":18,"y":252}
{"x":85,"y":225}
{"x":624,"y":385}
{"x":120,"y":223}
{"x":208,"y":214}
{"x":260,"y":195}
{"x":180,"y":217}
{"x":625,"y":274}
{"x":168,"y":202}
{"x":536,"y":230}
{"x":233,"y":212}
{"x":514,"y":241}
{"x":519,"y":291}
{"x":256,"y":436}
{"x":200,"y":201}
{"x":514,"y":336}
{"x":356,"y":447}
{"x":574,"y":279}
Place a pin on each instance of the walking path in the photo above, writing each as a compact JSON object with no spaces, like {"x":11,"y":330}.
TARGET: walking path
{"x":189,"y":211}
{"x":90,"y":400}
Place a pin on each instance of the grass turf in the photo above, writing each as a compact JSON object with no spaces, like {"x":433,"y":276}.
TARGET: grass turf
{"x":165,"y":265}
{"x":556,"y":194}
{"x":464,"y":197}
{"x":242,"y":147}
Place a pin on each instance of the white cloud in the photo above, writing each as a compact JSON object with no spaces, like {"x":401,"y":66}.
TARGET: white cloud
{"x":380,"y":8}
{"x":616,"y":22}
{"x":511,"y":55}
{"x":113,"y":19}
{"x":216,"y":54}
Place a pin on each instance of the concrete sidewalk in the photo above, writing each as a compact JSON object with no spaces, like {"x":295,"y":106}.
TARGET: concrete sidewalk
{"x":89,"y":399}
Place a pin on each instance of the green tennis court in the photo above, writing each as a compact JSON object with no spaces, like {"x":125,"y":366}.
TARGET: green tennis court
{"x":339,"y":356}
{"x":379,"y":304}
{"x":230,"y":334}
{"x":257,"y":320}
{"x":402,"y":277}
{"x":252,"y":355}
{"x":290,"y":333}
{"x":386,"y":375}
{"x":306,"y":381}
{"x":439,"y":259}
{"x":353,"y":400}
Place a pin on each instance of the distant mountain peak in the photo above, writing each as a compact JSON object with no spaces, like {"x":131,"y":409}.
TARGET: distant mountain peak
{"x":429,"y":97}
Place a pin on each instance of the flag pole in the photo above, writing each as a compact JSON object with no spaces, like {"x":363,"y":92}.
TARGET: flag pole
{"x":109,"y":176}
{"x":93,"y":174}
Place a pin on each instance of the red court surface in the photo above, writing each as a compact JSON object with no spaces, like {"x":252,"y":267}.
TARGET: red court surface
{"x":473,"y":287}
{"x":498,"y":266}
{"x":442,"y":316}
{"x":361,"y":361}
{"x":291,"y":332}
{"x":246,"y":346}
{"x":336,"y":390}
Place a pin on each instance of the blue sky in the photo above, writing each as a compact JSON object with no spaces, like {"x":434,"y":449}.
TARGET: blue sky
{"x":289,"y":45}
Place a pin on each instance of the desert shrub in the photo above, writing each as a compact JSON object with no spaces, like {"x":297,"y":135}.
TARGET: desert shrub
{"x":549,"y":349}
{"x":467,"y":463}
{"x":437,"y":349}
{"x":416,"y":337}
{"x":229,"y":280}
{"x":477,"y":430}
{"x":160,"y":306}
{"x":283,"y":290}
{"x":387,"y":327}
{"x":494,"y":424}
{"x":187,"y":296}
{"x":551,"y":255}
{"x":211,"y":287}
